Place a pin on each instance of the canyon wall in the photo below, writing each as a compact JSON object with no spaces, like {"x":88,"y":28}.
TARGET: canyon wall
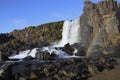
{"x":100,"y":24}
{"x":101,"y":20}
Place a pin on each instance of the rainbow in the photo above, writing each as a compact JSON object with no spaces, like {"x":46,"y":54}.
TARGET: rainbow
{"x":90,"y":44}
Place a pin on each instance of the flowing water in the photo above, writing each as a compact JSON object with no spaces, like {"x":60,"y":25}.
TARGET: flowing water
{"x":71,"y":32}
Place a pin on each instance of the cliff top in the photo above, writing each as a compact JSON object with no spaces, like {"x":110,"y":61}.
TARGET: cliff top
{"x":103,"y":6}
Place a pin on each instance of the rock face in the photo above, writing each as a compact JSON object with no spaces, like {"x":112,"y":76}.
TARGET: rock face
{"x":31,"y":37}
{"x":46,"y":32}
{"x":100,"y":22}
{"x":102,"y":19}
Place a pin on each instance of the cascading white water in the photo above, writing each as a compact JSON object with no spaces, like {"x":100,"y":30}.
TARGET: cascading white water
{"x":71,"y":32}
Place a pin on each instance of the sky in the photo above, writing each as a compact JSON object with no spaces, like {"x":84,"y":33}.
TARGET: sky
{"x":18,"y":14}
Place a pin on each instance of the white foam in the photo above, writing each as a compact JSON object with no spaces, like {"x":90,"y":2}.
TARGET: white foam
{"x":21,"y":55}
{"x":24,"y":54}
{"x":57,"y":51}
{"x":33,"y":52}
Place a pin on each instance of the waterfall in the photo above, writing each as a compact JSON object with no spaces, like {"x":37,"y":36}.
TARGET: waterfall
{"x":71,"y":32}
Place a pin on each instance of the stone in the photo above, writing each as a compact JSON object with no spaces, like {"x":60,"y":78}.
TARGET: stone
{"x":54,"y":55}
{"x":68,"y":49}
{"x":28,"y":58}
{"x":22,"y":78}
{"x":92,"y":69}
{"x":3,"y":57}
{"x":79,"y":50}
{"x":43,"y":55}
{"x":33,"y":76}
{"x":6,"y":72}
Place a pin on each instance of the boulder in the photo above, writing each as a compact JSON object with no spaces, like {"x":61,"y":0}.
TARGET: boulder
{"x":54,"y":55}
{"x":3,"y":57}
{"x":93,"y":69}
{"x":43,"y":55}
{"x":79,"y":50}
{"x":100,"y":64}
{"x":68,"y":49}
{"x":6,"y":72}
{"x":28,"y":58}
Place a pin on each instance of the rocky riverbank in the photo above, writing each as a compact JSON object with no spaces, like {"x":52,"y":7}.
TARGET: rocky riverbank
{"x":61,"y":69}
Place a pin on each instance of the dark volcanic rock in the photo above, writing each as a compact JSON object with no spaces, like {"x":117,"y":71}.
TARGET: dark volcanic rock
{"x":6,"y":72}
{"x":75,"y":49}
{"x":3,"y":57}
{"x":71,"y":69}
{"x":54,"y":55}
{"x":108,"y":74}
{"x":80,"y":50}
{"x":43,"y":55}
{"x":68,"y":49}
{"x":28,"y":58}
{"x":51,"y":70}
{"x":101,"y":64}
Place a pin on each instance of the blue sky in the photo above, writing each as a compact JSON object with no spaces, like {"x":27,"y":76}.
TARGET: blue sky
{"x":18,"y":14}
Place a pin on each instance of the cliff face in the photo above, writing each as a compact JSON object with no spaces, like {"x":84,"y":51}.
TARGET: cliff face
{"x":102,"y":19}
{"x":33,"y":36}
{"x":102,"y":23}
{"x":47,"y":32}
